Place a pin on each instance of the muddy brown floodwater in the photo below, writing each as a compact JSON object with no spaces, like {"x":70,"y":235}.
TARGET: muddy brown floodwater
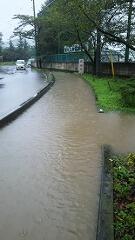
{"x":50,"y":164}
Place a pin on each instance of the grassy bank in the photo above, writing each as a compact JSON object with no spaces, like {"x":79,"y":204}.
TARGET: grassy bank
{"x":108,"y":92}
{"x":6,"y":63}
{"x":124,"y":196}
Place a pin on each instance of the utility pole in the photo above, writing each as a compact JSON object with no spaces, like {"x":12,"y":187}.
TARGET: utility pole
{"x":35,"y":31}
{"x":34,"y":11}
{"x":38,"y":61}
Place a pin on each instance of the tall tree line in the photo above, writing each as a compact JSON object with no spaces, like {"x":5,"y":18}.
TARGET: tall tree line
{"x":1,"y":43}
{"x":20,"y":50}
{"x":99,"y":23}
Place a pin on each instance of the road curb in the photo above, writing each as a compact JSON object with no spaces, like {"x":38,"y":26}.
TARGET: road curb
{"x":10,"y":116}
{"x":105,"y":214}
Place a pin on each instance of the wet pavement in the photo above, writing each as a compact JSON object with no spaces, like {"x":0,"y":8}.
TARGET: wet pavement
{"x":50,"y":164}
{"x":17,"y":86}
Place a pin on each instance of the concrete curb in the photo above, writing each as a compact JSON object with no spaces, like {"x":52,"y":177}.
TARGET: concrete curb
{"x":105,"y":214}
{"x":10,"y":116}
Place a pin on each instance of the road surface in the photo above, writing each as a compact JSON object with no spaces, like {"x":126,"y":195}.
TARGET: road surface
{"x":17,"y":86}
{"x":50,"y":164}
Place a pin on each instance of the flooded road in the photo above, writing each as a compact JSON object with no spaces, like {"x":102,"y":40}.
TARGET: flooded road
{"x":50,"y":164}
{"x":118,"y":130}
{"x":17,"y":86}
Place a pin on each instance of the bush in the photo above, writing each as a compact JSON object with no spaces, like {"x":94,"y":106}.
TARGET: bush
{"x":128,"y":95}
{"x":124,"y":196}
{"x":112,"y":94}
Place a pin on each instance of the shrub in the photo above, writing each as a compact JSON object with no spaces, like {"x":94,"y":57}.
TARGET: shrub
{"x":128,"y":96}
{"x":124,"y":196}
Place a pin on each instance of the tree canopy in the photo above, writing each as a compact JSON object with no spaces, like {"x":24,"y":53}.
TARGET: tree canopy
{"x":94,"y":24}
{"x":22,"y":50}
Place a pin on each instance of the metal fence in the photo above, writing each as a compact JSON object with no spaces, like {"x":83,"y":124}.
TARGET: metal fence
{"x":65,"y":58}
{"x":106,"y":56}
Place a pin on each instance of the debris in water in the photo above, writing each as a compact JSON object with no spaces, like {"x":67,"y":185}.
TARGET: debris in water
{"x":101,"y":110}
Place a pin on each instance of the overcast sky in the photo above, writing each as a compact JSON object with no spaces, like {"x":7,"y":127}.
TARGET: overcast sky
{"x":8,"y":8}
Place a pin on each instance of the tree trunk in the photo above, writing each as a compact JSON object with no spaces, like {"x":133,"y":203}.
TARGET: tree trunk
{"x":128,"y":29}
{"x":97,"y":62}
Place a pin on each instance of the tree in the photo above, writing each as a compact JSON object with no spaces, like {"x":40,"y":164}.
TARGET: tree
{"x":1,"y":43}
{"x":130,"y":10}
{"x":112,"y":22}
{"x":106,"y":18}
{"x":95,"y":22}
{"x":69,"y":25}
{"x":25,"y":28}
{"x":10,"y":52}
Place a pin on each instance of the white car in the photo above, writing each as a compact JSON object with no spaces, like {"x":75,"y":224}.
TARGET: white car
{"x":20,"y":65}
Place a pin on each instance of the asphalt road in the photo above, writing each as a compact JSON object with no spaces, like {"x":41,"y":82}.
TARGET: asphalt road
{"x":17,"y":86}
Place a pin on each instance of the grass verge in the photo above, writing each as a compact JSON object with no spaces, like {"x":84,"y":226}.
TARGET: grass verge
{"x":124,"y":196}
{"x":6,"y":63}
{"x":108,"y":94}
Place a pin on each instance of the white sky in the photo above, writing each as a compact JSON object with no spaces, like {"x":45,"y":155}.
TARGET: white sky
{"x":8,"y":8}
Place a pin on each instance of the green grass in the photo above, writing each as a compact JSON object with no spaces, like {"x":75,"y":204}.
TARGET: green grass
{"x":107,"y":91}
{"x":6,"y":63}
{"x":124,"y":196}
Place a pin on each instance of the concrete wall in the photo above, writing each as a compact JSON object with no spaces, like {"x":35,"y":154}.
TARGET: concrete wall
{"x":62,"y":66}
{"x":121,"y":69}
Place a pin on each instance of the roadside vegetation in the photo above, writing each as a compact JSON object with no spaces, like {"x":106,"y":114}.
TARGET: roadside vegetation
{"x":6,"y":63}
{"x":13,"y":51}
{"x":124,"y":196}
{"x":113,"y":94}
{"x":87,"y":27}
